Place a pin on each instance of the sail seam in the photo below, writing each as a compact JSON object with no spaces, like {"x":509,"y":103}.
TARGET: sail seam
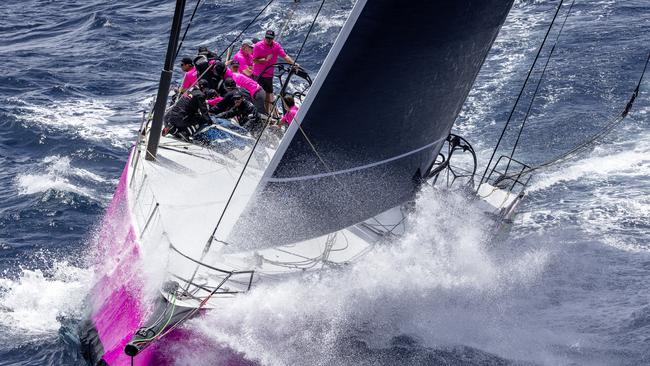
{"x":357,"y":168}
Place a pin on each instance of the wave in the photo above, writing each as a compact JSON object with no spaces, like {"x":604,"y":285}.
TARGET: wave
{"x":56,"y":173}
{"x":37,"y":300}
{"x":85,"y":118}
{"x":603,"y":194}
{"x":438,"y":284}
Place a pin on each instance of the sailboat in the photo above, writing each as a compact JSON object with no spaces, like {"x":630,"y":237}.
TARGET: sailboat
{"x":192,"y":226}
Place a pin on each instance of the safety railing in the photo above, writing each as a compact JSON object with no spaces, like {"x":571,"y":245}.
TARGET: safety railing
{"x":209,"y":281}
{"x":515,"y":181}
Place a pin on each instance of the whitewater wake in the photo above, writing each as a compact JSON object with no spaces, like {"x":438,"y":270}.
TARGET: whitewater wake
{"x":439,"y":284}
{"x":34,"y":303}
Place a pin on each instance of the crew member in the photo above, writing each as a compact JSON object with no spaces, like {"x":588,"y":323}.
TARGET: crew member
{"x":258,"y":95}
{"x":188,"y":114}
{"x":291,"y":109}
{"x":190,"y":74}
{"x":210,"y":55}
{"x":265,"y":54}
{"x":245,"y":112}
{"x":226,"y":102}
{"x":212,"y":73}
{"x":212,"y":98}
{"x":234,"y":66}
{"x":245,"y":58}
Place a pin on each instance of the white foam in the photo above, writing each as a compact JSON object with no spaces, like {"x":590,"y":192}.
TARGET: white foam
{"x":55,"y":173}
{"x":34,"y":302}
{"x":87,"y":118}
{"x":602,"y":162}
{"x":391,"y":291}
{"x":614,"y":174}
{"x":303,"y":16}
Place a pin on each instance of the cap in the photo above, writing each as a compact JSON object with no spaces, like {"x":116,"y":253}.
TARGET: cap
{"x":229,"y":83}
{"x":234,"y":62}
{"x":269,"y":34}
{"x":236,"y":95}
{"x":187,"y":61}
{"x":247,"y":42}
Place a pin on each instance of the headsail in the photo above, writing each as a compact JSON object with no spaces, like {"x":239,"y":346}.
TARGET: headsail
{"x":375,"y":118}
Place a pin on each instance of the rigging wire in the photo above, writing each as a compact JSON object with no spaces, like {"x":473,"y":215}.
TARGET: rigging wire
{"x":199,"y":77}
{"x":598,"y":135}
{"x":521,"y":92}
{"x":187,"y":28}
{"x":539,"y":82}
{"x":288,"y":20}
{"x":246,"y":27}
{"x":208,"y":244}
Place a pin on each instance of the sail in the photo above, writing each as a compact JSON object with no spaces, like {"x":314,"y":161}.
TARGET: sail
{"x":375,"y":119}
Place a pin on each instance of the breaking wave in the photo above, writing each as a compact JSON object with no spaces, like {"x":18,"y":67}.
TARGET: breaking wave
{"x":36,"y":302}
{"x":609,"y":199}
{"x":56,"y":173}
{"x":85,"y":118}
{"x":440,"y":285}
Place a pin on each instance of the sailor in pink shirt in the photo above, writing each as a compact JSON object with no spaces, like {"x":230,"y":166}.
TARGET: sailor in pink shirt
{"x":265,"y":54}
{"x":258,"y":95}
{"x":212,"y":97}
{"x":190,"y":74}
{"x":245,"y":58}
{"x":292,"y":109}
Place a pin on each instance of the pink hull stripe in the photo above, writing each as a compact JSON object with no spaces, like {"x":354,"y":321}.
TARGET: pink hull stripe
{"x":117,"y":309}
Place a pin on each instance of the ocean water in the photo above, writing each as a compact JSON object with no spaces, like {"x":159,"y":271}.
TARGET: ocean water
{"x":567,"y":286}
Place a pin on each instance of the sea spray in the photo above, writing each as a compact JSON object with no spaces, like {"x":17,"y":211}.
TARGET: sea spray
{"x":35,"y":301}
{"x":438,"y":283}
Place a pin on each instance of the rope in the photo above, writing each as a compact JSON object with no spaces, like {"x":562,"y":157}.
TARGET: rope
{"x":206,"y":248}
{"x":288,"y":20}
{"x":232,"y":43}
{"x":539,"y":82}
{"x":595,"y":137}
{"x":521,"y":92}
{"x":187,"y":28}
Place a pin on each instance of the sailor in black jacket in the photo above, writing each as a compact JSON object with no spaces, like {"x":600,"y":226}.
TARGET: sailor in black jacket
{"x":227,"y":102}
{"x":188,"y":114}
{"x":245,"y":112}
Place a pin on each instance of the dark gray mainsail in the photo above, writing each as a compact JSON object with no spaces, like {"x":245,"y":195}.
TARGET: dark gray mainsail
{"x":375,"y":118}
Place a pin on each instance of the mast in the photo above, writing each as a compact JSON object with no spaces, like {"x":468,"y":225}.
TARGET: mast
{"x":165,"y":82}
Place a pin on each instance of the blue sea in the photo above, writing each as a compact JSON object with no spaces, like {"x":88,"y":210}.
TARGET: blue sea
{"x":569,"y":284}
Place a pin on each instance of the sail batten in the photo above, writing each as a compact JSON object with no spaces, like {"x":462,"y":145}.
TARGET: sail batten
{"x":377,"y":116}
